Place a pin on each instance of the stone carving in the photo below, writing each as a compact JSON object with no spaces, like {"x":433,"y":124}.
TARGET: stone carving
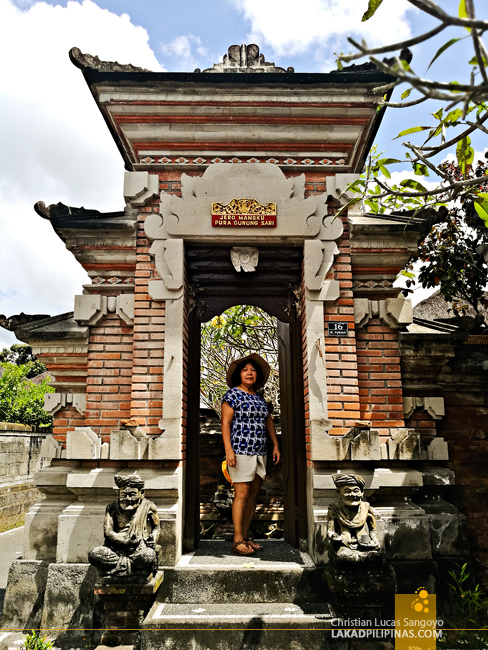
{"x":189,"y":217}
{"x":336,"y":187}
{"x":11,"y":323}
{"x":131,"y":529}
{"x":128,"y":443}
{"x":404,"y":444}
{"x":91,"y":309}
{"x":351,"y":523}
{"x":61,"y":210}
{"x":83,"y":444}
{"x":433,"y":405}
{"x":139,"y":187}
{"x":83,"y":61}
{"x":244,"y":58}
{"x":55,"y":401}
{"x":396,"y":313}
{"x":244,"y":258}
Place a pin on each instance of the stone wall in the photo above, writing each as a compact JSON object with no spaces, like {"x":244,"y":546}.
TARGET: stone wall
{"x":20,"y":459}
{"x":441,"y":367}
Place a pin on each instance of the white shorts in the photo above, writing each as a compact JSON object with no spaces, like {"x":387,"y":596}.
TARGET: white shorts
{"x":247,"y":467}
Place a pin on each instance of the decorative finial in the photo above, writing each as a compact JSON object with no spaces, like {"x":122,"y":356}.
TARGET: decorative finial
{"x":245,"y":58}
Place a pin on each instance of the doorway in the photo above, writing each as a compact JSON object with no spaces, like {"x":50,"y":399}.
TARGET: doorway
{"x":214,"y":285}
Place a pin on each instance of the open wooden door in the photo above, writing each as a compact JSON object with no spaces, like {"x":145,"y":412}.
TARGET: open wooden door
{"x":293,"y":433}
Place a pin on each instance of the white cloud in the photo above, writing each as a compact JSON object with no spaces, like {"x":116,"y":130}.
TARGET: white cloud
{"x":54,"y":142}
{"x":318,"y":27}
{"x":181,"y":47}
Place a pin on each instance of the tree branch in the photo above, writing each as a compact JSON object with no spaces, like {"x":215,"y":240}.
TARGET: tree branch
{"x":433,"y":9}
{"x":454,"y":185}
{"x":403,"y":104}
{"x":394,"y":47}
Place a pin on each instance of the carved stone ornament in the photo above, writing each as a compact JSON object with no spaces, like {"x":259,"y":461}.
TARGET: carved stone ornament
{"x":82,"y":61}
{"x":131,"y":529}
{"x":61,"y":210}
{"x":351,"y":523}
{"x":190,"y":217}
{"x":245,"y":58}
{"x":244,"y":258}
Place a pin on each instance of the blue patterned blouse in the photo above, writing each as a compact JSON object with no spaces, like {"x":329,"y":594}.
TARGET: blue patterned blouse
{"x":248,"y":427}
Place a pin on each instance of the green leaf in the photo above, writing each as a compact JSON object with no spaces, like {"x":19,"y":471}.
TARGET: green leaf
{"x":414,"y":129}
{"x":385,"y":171}
{"x":474,"y":61}
{"x":348,"y":205}
{"x":464,"y":154}
{"x":457,"y":84}
{"x":407,"y":274}
{"x":373,"y":5}
{"x":438,"y":115}
{"x":453,"y":116}
{"x":339,"y":64}
{"x":373,"y":205}
{"x":388,"y":161}
{"x":406,"y":93}
{"x":420,"y":169}
{"x":463,"y":12}
{"x":444,"y":48}
{"x":413,"y":185}
{"x":482,"y":210}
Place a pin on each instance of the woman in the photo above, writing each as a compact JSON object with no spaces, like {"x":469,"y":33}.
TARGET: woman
{"x":245,"y":421}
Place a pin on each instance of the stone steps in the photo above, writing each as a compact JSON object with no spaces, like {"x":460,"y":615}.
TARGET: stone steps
{"x":276,"y":599}
{"x":248,"y":626}
{"x":242,"y":585}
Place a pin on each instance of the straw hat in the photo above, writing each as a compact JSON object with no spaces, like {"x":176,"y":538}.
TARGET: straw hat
{"x":259,"y":361}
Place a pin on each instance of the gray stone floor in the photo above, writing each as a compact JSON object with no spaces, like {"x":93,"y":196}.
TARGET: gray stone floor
{"x":275,"y":552}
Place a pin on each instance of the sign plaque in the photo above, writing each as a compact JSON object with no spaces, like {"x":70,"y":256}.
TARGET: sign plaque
{"x":244,"y":212}
{"x":337,"y":328}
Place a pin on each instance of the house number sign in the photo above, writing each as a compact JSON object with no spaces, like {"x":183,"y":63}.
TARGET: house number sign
{"x":337,"y":328}
{"x":244,"y":212}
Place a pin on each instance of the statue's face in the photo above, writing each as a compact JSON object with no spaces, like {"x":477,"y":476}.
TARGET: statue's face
{"x":130,"y":498}
{"x":351,"y":495}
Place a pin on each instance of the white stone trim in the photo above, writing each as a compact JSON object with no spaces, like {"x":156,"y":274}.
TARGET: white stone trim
{"x":433,"y":405}
{"x":53,"y":402}
{"x":139,"y":187}
{"x":393,"y":312}
{"x":91,"y":309}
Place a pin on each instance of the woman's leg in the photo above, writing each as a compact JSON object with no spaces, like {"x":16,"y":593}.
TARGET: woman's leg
{"x":250,"y":506}
{"x":239,"y":510}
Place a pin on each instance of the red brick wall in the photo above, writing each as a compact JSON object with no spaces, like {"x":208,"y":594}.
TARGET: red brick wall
{"x":149,"y":315}
{"x":108,"y":375}
{"x":422,"y":423}
{"x":340,"y":353}
{"x":380,"y":385}
{"x":62,"y":368}
{"x":66,"y":419}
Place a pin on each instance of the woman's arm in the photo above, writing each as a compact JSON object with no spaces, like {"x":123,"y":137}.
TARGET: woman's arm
{"x":270,"y":428}
{"x":226,"y":420}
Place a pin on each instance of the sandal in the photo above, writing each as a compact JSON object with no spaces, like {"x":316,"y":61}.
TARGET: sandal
{"x":252,"y":544}
{"x":236,"y":551}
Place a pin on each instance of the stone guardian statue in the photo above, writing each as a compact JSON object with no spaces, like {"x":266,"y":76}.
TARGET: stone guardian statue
{"x":131,"y":528}
{"x":351,"y":524}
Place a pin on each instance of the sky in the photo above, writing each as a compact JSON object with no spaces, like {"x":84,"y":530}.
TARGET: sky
{"x":54,"y":143}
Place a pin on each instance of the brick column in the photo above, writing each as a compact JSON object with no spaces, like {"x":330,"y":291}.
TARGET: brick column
{"x":149,"y":323}
{"x":380,"y":380}
{"x":340,"y":353}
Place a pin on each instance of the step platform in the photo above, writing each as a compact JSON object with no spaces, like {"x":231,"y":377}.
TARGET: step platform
{"x":214,"y":600}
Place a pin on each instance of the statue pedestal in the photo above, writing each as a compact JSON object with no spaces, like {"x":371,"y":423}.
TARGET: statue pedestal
{"x":362,"y":591}
{"x":126,"y":605}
